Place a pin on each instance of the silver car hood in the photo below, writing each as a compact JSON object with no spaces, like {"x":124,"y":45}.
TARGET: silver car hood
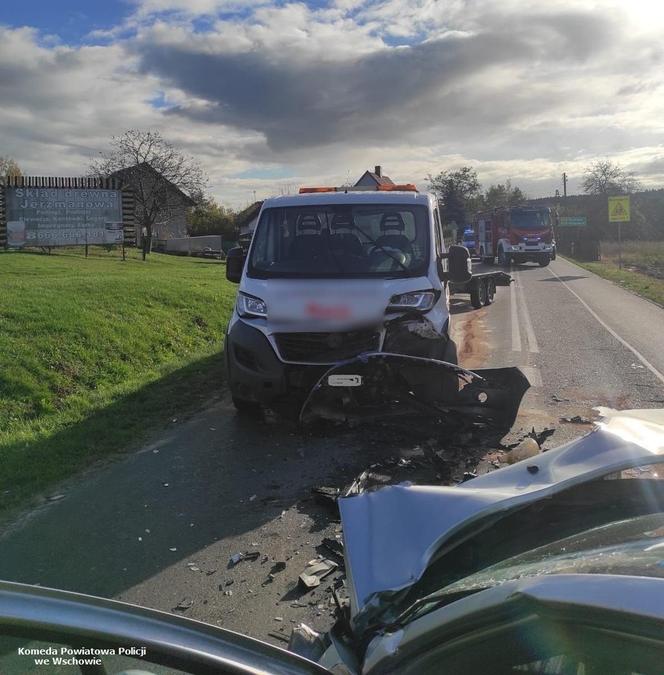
{"x":392,"y":534}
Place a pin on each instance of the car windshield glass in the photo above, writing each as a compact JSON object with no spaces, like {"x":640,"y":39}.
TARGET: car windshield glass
{"x":530,"y":219}
{"x":630,"y":547}
{"x":353,"y":241}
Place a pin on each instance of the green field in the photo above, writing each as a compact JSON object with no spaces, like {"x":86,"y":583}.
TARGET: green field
{"x":97,"y":352}
{"x":642,"y":271}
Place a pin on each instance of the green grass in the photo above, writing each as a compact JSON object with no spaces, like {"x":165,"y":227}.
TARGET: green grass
{"x":643,"y":267}
{"x":95,"y":353}
{"x":641,"y":256}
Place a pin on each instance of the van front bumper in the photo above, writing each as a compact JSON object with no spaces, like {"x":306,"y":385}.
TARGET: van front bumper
{"x":255,"y":373}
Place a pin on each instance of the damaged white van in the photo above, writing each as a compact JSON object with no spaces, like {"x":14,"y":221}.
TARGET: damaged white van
{"x":334,"y":273}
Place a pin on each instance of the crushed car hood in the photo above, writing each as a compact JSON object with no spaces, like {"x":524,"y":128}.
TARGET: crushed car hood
{"x":392,"y":534}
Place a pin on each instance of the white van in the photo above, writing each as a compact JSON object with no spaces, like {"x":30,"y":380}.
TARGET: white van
{"x":332,"y":273}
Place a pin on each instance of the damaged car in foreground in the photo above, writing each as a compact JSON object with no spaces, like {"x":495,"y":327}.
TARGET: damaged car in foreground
{"x":551,"y":565}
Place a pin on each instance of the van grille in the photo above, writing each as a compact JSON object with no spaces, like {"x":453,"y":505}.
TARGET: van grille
{"x":325,"y":347}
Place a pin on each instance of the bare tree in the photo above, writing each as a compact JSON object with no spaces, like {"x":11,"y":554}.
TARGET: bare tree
{"x":157,"y":172}
{"x":9,"y":167}
{"x":605,"y":177}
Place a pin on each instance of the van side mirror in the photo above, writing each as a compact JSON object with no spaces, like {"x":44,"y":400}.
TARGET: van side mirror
{"x":460,"y":266}
{"x":235,"y":264}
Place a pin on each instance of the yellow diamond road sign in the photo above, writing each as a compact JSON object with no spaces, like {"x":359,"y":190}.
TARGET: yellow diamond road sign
{"x":619,"y":209}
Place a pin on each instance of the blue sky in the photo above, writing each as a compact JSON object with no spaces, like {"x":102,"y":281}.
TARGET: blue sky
{"x":268,"y":95}
{"x":71,"y":20}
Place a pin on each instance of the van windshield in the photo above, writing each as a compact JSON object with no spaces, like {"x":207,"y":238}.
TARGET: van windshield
{"x":341,"y":240}
{"x":530,"y":219}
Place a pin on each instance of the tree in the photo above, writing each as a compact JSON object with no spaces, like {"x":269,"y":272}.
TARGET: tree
{"x":209,"y":217}
{"x":157,"y":172}
{"x":605,"y":177}
{"x":503,"y":195}
{"x":457,"y":192}
{"x":9,"y":167}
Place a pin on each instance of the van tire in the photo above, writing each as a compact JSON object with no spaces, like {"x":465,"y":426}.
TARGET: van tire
{"x":490,"y":291}
{"x":503,"y":259}
{"x":478,"y":294}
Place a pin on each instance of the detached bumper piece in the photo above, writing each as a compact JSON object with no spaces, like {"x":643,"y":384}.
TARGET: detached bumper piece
{"x":379,"y":385}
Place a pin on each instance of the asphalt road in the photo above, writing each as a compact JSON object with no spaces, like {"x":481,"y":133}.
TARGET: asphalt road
{"x":158,"y":527}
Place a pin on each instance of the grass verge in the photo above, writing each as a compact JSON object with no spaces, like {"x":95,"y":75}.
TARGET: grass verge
{"x":96,"y":352}
{"x":642,"y":284}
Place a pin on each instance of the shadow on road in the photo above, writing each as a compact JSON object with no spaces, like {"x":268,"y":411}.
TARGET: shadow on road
{"x":565,"y":278}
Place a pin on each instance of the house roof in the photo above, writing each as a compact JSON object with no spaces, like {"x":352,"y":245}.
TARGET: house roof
{"x":379,"y":180}
{"x":245,"y":216}
{"x":125,"y":174}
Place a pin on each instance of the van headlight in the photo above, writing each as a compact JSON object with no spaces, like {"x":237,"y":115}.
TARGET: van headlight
{"x":421,"y":301}
{"x":250,"y":306}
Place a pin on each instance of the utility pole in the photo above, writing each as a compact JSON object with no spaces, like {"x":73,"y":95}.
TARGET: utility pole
{"x":565,"y":190}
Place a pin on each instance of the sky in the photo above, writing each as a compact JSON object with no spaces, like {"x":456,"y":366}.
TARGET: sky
{"x":272,"y":95}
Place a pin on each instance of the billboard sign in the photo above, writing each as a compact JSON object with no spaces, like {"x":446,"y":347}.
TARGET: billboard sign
{"x":44,"y":216}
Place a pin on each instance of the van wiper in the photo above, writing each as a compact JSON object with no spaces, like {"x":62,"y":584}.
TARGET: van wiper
{"x":380,"y":247}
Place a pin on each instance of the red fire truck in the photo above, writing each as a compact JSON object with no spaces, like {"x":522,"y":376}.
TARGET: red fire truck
{"x":516,"y":234}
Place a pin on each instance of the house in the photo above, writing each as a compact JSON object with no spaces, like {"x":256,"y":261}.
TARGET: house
{"x":152,"y":190}
{"x":246,"y":220}
{"x":373,"y":179}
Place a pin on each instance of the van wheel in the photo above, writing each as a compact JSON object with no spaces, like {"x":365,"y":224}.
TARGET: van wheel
{"x":544,"y":261}
{"x":478,"y":294}
{"x":248,"y":408}
{"x":490,"y":291}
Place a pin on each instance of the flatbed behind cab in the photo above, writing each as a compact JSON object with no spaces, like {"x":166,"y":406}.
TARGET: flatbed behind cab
{"x":482,"y":285}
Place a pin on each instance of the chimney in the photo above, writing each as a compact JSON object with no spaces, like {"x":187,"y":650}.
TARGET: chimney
{"x":377,"y":170}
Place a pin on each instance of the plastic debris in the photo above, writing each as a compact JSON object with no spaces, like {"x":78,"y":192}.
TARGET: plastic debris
{"x":528,"y":447}
{"x":315,"y":570}
{"x":307,"y":642}
{"x":247,"y":555}
{"x":577,"y":419}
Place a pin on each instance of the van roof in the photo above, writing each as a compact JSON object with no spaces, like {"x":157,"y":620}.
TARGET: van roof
{"x":350,"y":197}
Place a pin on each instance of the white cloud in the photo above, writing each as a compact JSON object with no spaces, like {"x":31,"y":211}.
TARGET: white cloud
{"x":519,"y":89}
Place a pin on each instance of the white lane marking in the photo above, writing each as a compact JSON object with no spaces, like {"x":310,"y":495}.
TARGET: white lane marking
{"x":623,"y":342}
{"x":533,"y":374}
{"x":516,"y":331}
{"x":533,"y":347}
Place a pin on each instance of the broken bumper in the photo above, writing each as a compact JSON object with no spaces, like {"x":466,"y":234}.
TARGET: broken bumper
{"x":379,"y":385}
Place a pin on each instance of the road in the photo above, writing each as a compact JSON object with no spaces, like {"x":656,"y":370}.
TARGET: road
{"x":158,"y":527}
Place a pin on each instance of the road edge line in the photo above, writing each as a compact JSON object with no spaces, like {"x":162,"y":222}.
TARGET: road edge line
{"x":622,"y":341}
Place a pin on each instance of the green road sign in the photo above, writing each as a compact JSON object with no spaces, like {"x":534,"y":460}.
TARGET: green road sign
{"x":573,"y":221}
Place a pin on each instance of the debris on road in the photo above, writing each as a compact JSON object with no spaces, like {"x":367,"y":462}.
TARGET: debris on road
{"x":541,"y":436}
{"x":577,"y":419}
{"x":239,"y":557}
{"x":307,"y":642}
{"x":528,"y":447}
{"x":315,"y":570}
{"x":278,"y":636}
{"x":183,"y":605}
{"x":55,"y":498}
